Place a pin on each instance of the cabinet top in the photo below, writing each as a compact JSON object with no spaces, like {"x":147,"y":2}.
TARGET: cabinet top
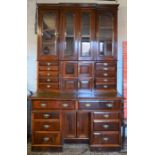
{"x":76,"y":96}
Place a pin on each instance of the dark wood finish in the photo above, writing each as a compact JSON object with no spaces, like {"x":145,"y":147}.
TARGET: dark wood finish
{"x":76,"y":99}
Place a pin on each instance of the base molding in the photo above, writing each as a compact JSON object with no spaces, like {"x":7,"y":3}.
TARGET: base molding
{"x":76,"y":141}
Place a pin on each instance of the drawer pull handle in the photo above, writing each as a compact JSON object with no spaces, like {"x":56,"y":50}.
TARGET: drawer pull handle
{"x":105,"y":126}
{"x":48,"y":68}
{"x":109,"y":105}
{"x":106,"y":116}
{"x":46,"y":126}
{"x":48,"y":63}
{"x":105,"y":86}
{"x":45,"y":139}
{"x":105,"y":80}
{"x":105,"y":74}
{"x":48,"y":74}
{"x":48,"y":86}
{"x":105,"y":138}
{"x":65,"y":105}
{"x":105,"y":68}
{"x":46,"y":115}
{"x":87,"y":105}
{"x":105,"y":64}
{"x":48,"y":80}
{"x":43,"y":104}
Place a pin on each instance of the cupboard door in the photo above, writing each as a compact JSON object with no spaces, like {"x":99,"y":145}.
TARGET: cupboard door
{"x":86,"y":34}
{"x":83,"y":124}
{"x":68,"y":35}
{"x":48,"y":35}
{"x":69,"y":69}
{"x":69,"y":124}
{"x":86,"y":69}
{"x":106,"y":35}
{"x":85,"y":84}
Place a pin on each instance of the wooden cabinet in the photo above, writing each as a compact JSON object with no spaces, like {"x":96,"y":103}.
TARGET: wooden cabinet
{"x":76,"y":98}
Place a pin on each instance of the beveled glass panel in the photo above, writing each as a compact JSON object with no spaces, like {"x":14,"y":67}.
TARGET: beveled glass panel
{"x":105,"y":34}
{"x":69,"y":34}
{"x":85,"y":24}
{"x":85,"y":47}
{"x":49,"y":30}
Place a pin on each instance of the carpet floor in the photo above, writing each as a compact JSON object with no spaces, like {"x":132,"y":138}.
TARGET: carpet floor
{"x":75,"y":149}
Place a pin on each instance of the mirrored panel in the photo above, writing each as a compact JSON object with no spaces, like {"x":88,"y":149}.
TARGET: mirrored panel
{"x":49,"y":34}
{"x":85,"y":24}
{"x":85,"y":47}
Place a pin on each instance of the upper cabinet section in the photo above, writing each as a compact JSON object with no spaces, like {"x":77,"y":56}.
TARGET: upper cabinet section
{"x":48,"y":35}
{"x":106,"y":35}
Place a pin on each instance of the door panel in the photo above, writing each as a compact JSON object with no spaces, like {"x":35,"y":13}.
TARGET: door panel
{"x":85,"y":84}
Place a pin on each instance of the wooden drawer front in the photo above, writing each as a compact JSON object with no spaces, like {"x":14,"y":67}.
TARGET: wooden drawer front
{"x":46,"y":125}
{"x":100,"y":73}
{"x":106,"y":115}
{"x":105,"y":86}
{"x":100,"y":125}
{"x":105,"y":80}
{"x":48,"y":80}
{"x":107,"y":138}
{"x":48,"y":73}
{"x":46,"y":138}
{"x":48,"y":86}
{"x":47,"y":63}
{"x":48,"y":68}
{"x":100,"y":105}
{"x":45,"y":105}
{"x":107,"y":64}
{"x":85,"y":84}
{"x":68,"y":105}
{"x":46,"y":115}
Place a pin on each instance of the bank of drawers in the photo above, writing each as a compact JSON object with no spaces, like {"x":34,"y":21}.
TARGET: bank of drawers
{"x":48,"y":76}
{"x":105,"y":74}
{"x":46,"y":121}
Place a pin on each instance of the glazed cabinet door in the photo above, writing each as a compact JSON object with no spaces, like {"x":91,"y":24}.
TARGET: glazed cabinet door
{"x":68,"y":35}
{"x":86,"y":34}
{"x":69,"y":124}
{"x":106,"y":35}
{"x":83,"y":124}
{"x":48,"y":25}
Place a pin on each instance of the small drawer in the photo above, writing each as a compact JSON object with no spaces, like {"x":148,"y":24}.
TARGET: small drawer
{"x":42,"y":105}
{"x":106,"y":115}
{"x":105,"y":138}
{"x":100,"y":73}
{"x":46,"y":115}
{"x":48,"y":86}
{"x":108,"y":64}
{"x":105,"y":86}
{"x":48,"y":80}
{"x":67,"y":105}
{"x":48,"y":63}
{"x":48,"y":68}
{"x":105,"y":80}
{"x":100,"y":125}
{"x":46,"y":138}
{"x":49,"y":73}
{"x":100,"y":105}
{"x":46,"y":125}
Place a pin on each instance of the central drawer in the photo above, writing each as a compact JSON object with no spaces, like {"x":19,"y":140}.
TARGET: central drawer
{"x":100,"y":105}
{"x":46,"y":138}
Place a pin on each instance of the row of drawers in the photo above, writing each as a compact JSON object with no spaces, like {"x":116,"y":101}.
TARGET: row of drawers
{"x":71,"y":105}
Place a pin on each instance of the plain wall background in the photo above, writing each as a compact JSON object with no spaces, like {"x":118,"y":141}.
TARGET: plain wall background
{"x":32,"y":38}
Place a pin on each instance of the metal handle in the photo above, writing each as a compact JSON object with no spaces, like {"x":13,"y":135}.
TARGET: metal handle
{"x":105,"y":86}
{"x":106,"y":116}
{"x":43,"y":104}
{"x":65,"y":105}
{"x":46,"y":115}
{"x":48,"y":86}
{"x":48,"y":68}
{"x":105,"y":138}
{"x":105,"y":64}
{"x":48,"y":63}
{"x":87,"y":105}
{"x":105,"y":74}
{"x":46,"y":126}
{"x":105,"y":80}
{"x":109,"y":105}
{"x":105,"y":68}
{"x":45,"y":139}
{"x":48,"y":80}
{"x":105,"y":126}
{"x":48,"y":74}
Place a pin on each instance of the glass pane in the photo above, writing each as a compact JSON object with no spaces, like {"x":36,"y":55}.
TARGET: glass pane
{"x":85,"y":49}
{"x":105,"y":34}
{"x":69,"y":69}
{"x":85,"y":24}
{"x":49,"y":39}
{"x":69,"y":35}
